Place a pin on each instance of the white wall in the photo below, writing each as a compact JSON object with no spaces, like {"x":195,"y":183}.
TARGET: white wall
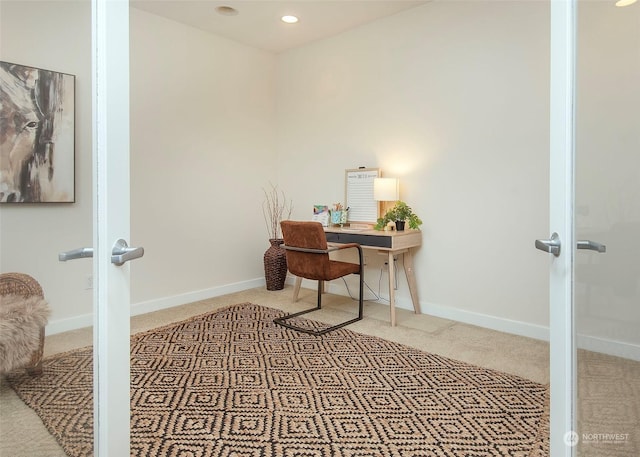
{"x":202,"y":149}
{"x":54,"y":36}
{"x":452,"y":98}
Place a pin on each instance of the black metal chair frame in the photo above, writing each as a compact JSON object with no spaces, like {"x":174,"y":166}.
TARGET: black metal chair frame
{"x":283,"y":320}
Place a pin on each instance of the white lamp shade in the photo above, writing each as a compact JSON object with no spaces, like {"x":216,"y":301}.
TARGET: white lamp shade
{"x":386,"y":189}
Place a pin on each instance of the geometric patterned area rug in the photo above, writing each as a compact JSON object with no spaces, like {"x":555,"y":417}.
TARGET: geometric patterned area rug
{"x":233,"y":383}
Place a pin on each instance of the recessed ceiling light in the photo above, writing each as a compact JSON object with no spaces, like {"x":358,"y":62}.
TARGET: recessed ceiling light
{"x":227,"y":11}
{"x":289,"y":19}
{"x":625,"y":2}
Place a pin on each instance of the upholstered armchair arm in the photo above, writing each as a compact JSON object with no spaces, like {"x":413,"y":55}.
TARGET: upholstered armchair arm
{"x":322,"y":251}
{"x":24,"y":313}
{"x":337,"y":247}
{"x":19,"y":284}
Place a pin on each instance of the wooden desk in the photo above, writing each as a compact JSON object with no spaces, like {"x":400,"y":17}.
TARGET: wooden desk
{"x":390,"y":243}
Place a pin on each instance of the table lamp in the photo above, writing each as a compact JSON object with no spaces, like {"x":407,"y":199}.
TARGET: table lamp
{"x":386,"y":190}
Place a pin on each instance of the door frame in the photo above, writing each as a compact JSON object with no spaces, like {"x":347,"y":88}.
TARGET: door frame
{"x":110,"y":65}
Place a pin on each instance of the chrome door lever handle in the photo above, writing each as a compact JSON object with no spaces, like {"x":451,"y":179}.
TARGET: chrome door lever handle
{"x":551,"y":245}
{"x":592,"y":246}
{"x":122,"y":253}
{"x":79,"y":253}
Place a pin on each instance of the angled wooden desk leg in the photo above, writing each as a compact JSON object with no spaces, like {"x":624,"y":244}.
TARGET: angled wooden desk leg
{"x":411,"y":279}
{"x":392,"y":292}
{"x":296,"y":289}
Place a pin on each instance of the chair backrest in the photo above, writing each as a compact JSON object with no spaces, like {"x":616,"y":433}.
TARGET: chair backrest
{"x":309,"y":235}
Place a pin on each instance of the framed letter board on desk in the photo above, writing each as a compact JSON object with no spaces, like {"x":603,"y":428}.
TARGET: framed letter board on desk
{"x":363,"y":208}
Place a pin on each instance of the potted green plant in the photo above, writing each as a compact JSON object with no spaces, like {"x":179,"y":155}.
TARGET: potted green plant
{"x":400,"y":214}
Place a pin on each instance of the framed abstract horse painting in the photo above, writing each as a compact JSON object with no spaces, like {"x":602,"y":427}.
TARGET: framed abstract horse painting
{"x":37,"y":135}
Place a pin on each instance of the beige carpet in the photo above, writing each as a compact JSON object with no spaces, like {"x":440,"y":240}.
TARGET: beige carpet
{"x":232,"y":381}
{"x":608,"y":406}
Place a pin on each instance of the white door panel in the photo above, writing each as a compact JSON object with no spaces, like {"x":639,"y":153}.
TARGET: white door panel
{"x":111,"y":222}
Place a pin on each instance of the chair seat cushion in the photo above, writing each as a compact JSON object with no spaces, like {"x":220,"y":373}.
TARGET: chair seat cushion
{"x":21,"y":319}
{"x":338,"y":269}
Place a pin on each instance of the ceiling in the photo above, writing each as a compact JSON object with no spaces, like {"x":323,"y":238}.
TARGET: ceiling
{"x":258,"y":23}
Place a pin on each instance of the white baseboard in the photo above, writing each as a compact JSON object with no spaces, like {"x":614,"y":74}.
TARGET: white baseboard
{"x":70,"y":323}
{"x":539,"y":332}
{"x":610,"y":347}
{"x":86,"y":320}
{"x":190,"y":297}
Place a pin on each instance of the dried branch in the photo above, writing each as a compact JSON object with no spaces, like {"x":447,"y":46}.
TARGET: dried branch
{"x":274,"y":207}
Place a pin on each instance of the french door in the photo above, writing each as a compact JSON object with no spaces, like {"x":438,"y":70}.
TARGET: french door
{"x":110,"y":68}
{"x":595,"y":219}
{"x":562,"y":239}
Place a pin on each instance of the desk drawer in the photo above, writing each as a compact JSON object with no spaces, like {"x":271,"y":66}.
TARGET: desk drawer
{"x":364,"y":240}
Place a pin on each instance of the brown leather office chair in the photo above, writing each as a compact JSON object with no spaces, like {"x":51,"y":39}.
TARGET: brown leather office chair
{"x":308,"y":257}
